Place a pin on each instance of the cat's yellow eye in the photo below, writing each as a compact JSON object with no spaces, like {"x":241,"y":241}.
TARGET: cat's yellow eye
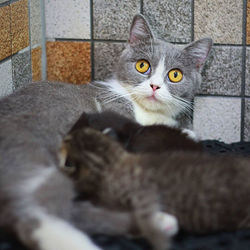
{"x":175,"y":75}
{"x":143,"y":66}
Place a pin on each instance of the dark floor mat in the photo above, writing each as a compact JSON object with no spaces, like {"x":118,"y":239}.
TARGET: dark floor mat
{"x":238,"y":240}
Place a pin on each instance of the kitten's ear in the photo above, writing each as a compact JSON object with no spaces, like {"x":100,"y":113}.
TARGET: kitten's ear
{"x":139,"y":31}
{"x":199,"y":51}
{"x":63,"y":155}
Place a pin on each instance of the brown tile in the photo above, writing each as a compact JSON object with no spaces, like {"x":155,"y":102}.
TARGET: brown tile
{"x":69,"y":62}
{"x":36,"y":58}
{"x":5,"y":37}
{"x":19,"y":25}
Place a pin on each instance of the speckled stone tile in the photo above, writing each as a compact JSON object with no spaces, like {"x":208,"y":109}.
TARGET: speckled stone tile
{"x":21,"y":67}
{"x":105,"y":57}
{"x":247,"y":90}
{"x":6,"y":83}
{"x":170,"y":19}
{"x":35,"y":22}
{"x":247,"y":120}
{"x":36,"y":62}
{"x":5,"y":36}
{"x":19,"y":25}
{"x":68,"y":62}
{"x":67,"y":19}
{"x":220,"y":20}
{"x":222,"y":71}
{"x":217,"y":118}
{"x":112,"y":18}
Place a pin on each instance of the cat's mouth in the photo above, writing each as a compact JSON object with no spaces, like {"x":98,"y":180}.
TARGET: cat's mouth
{"x":152,"y":98}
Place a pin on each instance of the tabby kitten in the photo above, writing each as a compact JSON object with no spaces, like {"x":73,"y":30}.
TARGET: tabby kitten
{"x":135,"y":137}
{"x":154,"y":82}
{"x":188,"y":189}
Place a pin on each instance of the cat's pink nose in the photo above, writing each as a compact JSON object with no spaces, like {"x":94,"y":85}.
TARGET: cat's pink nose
{"x":154,"y":87}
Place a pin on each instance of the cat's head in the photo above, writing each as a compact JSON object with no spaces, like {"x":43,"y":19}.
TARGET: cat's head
{"x":159,"y":75}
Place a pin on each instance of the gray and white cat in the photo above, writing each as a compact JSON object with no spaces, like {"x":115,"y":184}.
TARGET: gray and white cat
{"x":156,"y":81}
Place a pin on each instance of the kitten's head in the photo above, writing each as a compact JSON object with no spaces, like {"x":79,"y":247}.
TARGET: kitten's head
{"x":159,"y":75}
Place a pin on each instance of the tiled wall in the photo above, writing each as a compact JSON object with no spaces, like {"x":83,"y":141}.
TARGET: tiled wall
{"x":85,"y":37}
{"x":20,"y":44}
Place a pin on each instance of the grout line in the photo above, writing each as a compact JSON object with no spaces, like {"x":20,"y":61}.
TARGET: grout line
{"x":244,"y":25}
{"x":11,"y":38}
{"x":4,"y":4}
{"x":44,"y":56}
{"x":141,"y":7}
{"x":13,"y":1}
{"x":215,"y":95}
{"x":6,"y":59}
{"x":192,"y":20}
{"x":124,"y":41}
{"x":91,"y":40}
{"x":30,"y":44}
{"x":227,"y":44}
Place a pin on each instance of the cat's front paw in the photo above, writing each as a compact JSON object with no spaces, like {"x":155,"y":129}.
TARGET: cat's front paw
{"x":55,"y":234}
{"x":165,"y":223}
{"x":190,"y":134}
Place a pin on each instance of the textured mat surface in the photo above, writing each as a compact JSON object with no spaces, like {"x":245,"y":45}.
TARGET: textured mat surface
{"x":238,"y":240}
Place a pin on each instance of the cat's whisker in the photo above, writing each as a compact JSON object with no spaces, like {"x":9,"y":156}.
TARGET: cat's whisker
{"x":186,"y":109}
{"x":100,"y":86}
{"x":114,"y":97}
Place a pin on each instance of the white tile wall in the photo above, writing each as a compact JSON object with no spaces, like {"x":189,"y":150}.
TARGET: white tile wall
{"x":6,"y":83}
{"x":67,"y":19}
{"x":218,"y":118}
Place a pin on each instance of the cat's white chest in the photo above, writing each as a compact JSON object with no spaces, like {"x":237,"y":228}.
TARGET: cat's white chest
{"x":149,"y":118}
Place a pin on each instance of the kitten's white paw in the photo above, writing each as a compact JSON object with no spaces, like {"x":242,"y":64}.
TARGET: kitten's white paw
{"x":166,"y":223}
{"x":56,"y":234}
{"x":190,"y":134}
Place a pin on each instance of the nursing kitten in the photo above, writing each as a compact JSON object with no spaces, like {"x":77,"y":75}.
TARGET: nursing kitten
{"x":135,"y":137}
{"x":154,"y":82}
{"x":195,"y":191}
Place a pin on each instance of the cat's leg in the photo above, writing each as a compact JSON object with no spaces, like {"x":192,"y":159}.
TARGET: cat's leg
{"x":52,"y":233}
{"x":40,"y":207}
{"x":95,"y":219}
{"x":158,"y":227}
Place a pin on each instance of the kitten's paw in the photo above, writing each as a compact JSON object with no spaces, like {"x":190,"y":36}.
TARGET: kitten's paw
{"x":166,"y":223}
{"x":190,"y":134}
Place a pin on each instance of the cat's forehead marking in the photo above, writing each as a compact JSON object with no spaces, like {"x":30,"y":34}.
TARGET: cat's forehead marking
{"x":157,"y":77}
{"x":167,"y":51}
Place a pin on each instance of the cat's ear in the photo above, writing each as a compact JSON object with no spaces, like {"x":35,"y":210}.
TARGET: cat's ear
{"x":139,"y":31}
{"x":198,"y":51}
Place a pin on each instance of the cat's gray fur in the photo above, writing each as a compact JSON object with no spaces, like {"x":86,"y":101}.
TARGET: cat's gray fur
{"x":36,"y":199}
{"x":205,"y":193}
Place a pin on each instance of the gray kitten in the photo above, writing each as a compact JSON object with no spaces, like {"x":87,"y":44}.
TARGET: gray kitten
{"x":195,"y":191}
{"x":153,"y":83}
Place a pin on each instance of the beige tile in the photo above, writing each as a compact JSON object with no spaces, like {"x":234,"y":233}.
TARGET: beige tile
{"x":220,"y":19}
